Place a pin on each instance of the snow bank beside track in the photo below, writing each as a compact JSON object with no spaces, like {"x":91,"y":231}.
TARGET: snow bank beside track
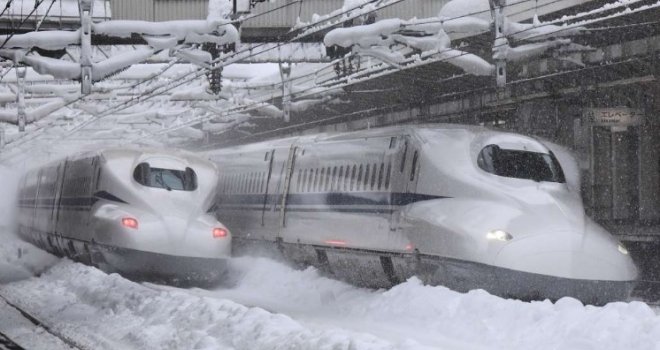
{"x":20,"y":260}
{"x":438,"y":317}
{"x":101,"y":311}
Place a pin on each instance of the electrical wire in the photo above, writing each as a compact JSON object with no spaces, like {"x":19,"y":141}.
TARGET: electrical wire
{"x":220,"y":63}
{"x":7,"y":6}
{"x":168,"y":87}
{"x":352,"y":77}
{"x":36,"y":5}
{"x":36,"y":29}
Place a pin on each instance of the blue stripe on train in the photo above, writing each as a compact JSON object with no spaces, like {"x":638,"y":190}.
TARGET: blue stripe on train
{"x":329,"y":199}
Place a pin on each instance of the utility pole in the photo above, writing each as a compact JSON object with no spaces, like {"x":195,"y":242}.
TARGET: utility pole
{"x":85,"y":7}
{"x":287,"y":85}
{"x":496,"y":8}
{"x":20,"y":97}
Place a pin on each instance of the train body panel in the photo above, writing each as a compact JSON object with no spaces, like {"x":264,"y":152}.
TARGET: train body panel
{"x":122,"y":208}
{"x":463,"y":206}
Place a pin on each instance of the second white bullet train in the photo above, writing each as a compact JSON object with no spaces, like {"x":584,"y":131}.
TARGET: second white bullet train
{"x":140,"y":212}
{"x":465,"y":207}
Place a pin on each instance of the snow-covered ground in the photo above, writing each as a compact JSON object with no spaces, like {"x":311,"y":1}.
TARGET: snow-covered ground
{"x":269,"y":305}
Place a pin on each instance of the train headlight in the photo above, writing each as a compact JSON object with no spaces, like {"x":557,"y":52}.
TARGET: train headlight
{"x":622,"y":249}
{"x":499,"y":235}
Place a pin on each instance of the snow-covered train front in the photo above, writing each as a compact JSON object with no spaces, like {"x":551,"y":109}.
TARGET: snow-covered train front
{"x":139,"y":212}
{"x":466,"y":207}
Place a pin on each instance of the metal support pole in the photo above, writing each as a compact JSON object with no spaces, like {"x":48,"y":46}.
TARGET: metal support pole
{"x":85,"y":7}
{"x":496,"y":7}
{"x":20,"y":98}
{"x":287,"y":85}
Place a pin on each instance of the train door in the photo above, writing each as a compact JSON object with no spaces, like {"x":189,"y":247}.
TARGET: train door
{"x":649,"y":174}
{"x":288,"y":174}
{"x":412,"y":168}
{"x":614,"y":173}
{"x":269,"y":158}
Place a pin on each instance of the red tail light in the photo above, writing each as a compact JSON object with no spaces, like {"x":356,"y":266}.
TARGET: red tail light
{"x":130,"y":222}
{"x":220,"y":232}
{"x":339,"y":242}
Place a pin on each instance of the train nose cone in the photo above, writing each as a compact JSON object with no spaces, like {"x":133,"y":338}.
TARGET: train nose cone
{"x":588,"y":256}
{"x":176,"y":228}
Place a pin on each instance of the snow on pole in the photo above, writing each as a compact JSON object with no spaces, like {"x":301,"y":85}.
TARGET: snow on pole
{"x":117,"y":63}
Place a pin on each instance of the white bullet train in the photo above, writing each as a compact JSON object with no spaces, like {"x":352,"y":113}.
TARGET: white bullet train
{"x":144,"y":213}
{"x":461,"y":206}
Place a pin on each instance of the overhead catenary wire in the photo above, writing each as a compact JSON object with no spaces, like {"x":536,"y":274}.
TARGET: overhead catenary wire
{"x":168,"y":87}
{"x":20,"y":24}
{"x":219,"y":63}
{"x":202,"y":72}
{"x":336,"y":87}
{"x":7,"y":6}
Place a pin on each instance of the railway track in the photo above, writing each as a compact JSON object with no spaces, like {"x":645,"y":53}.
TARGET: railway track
{"x":9,"y":344}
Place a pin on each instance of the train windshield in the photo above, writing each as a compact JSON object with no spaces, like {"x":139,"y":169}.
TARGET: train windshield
{"x":520,"y":164}
{"x":169,"y":179}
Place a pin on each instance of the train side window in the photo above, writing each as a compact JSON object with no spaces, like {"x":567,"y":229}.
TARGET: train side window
{"x":332,"y":179}
{"x":321,"y":180}
{"x":263,"y":182}
{"x":353,"y":177}
{"x":387,"y":174}
{"x":298,"y":181}
{"x":304,"y":181}
{"x":347,"y":178}
{"x":373,"y":176}
{"x":414,"y":165}
{"x":310,"y":180}
{"x":340,"y":177}
{"x":403,"y":157}
{"x":328,"y":178}
{"x":358,"y":182}
{"x":380,"y":175}
{"x":366,"y":178}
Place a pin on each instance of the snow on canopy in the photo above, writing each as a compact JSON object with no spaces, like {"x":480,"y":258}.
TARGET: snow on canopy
{"x":214,"y":30}
{"x":116,"y":63}
{"x":392,"y":40}
{"x":48,"y":40}
{"x":62,"y":69}
{"x":427,"y":36}
{"x":160,"y":35}
{"x":32,"y":115}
